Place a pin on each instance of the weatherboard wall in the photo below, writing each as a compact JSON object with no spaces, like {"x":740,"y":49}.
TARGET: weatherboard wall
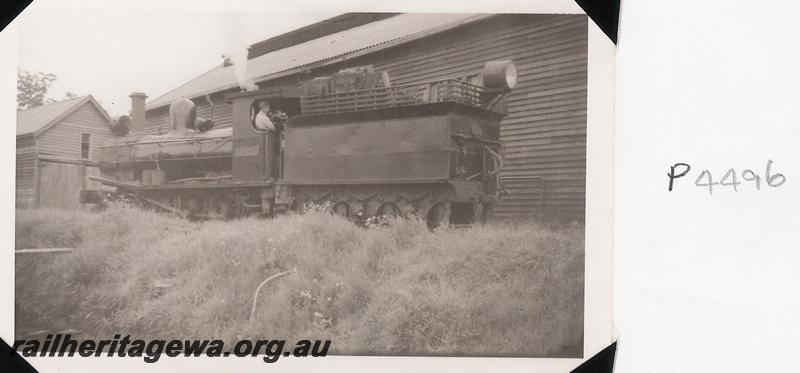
{"x":544,"y":133}
{"x":25,"y":170}
{"x":63,"y":139}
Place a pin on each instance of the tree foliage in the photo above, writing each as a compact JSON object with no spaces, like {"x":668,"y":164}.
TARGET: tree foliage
{"x":32,"y":88}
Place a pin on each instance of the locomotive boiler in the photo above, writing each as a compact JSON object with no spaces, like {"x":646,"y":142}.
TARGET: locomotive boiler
{"x":353,"y":142}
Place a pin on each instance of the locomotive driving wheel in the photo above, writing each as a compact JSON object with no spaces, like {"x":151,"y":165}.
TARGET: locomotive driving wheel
{"x":438,"y":215}
{"x":218,"y":206}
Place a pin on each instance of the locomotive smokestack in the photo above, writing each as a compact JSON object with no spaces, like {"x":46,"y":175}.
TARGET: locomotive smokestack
{"x":137,"y":112}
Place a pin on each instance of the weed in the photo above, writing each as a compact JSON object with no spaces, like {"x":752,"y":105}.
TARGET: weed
{"x":506,"y":288}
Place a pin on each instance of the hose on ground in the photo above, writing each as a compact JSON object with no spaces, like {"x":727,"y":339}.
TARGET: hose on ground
{"x":258,"y":290}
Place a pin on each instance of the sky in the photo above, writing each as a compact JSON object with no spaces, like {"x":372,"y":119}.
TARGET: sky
{"x":111,"y":48}
{"x":111,"y":53}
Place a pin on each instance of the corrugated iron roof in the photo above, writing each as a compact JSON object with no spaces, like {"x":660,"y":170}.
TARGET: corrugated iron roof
{"x":37,"y":119}
{"x":327,"y":49}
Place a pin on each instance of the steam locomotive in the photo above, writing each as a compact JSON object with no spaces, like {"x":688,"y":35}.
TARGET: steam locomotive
{"x":353,"y":142}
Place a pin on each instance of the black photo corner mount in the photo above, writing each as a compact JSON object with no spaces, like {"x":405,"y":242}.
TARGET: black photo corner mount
{"x":12,"y":362}
{"x":603,"y":362}
{"x":11,"y":9}
{"x":604,"y":13}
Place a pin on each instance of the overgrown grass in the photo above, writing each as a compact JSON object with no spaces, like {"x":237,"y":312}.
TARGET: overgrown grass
{"x":504,"y":289}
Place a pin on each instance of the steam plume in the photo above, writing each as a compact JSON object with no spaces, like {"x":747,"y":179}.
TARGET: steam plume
{"x":236,"y":31}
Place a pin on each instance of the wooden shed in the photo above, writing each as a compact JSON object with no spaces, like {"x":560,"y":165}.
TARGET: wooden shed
{"x":56,"y":151}
{"x":545,"y":130}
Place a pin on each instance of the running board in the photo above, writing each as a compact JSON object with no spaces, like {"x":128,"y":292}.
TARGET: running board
{"x":115,"y":183}
{"x":138,"y":187}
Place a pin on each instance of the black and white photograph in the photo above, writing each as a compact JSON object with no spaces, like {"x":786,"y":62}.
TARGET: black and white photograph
{"x":338,"y":183}
{"x":549,"y":186}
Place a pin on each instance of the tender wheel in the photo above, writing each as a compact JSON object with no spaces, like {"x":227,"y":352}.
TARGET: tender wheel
{"x":438,"y":215}
{"x":388,"y":209}
{"x":341,"y":209}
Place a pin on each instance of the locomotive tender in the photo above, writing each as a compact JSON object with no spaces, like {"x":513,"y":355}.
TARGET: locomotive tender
{"x":352,"y":142}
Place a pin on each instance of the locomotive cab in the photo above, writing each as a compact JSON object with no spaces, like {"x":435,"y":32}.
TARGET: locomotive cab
{"x":259,"y":120}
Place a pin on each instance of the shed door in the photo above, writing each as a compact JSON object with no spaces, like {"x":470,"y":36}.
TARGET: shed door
{"x":60,"y":184}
